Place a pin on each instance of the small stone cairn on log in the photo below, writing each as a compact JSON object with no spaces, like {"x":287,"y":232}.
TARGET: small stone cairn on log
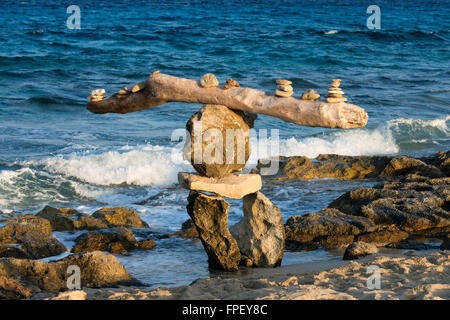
{"x":284,"y":88}
{"x":335,"y":94}
{"x":218,"y":148}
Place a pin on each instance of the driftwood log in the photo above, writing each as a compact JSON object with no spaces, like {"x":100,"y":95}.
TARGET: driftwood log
{"x":161,"y":88}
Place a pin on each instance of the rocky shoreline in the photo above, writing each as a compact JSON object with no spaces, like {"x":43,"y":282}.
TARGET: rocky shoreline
{"x":408,"y":206}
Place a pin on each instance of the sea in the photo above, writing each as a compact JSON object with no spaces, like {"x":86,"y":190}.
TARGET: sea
{"x":53,"y":151}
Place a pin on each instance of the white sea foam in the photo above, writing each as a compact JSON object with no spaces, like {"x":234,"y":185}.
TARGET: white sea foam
{"x":110,"y":177}
{"x":411,"y":125}
{"x":144,"y":166}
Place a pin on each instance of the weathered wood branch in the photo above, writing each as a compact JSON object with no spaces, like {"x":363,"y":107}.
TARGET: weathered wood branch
{"x":162,"y":88}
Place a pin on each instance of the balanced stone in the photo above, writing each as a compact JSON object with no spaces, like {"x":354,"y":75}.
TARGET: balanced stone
{"x":335,"y":90}
{"x":138,"y":87}
{"x":336,"y":83}
{"x":310,"y":94}
{"x":336,"y":100}
{"x":98,"y":92}
{"x":210,"y":217}
{"x":209,"y":81}
{"x":285,"y":88}
{"x":231,"y":83}
{"x":234,"y":186}
{"x":284,"y":82}
{"x":260,"y":233}
{"x":218,"y":142}
{"x":284,"y":94}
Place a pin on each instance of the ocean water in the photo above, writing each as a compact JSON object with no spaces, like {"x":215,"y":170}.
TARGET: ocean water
{"x":55,"y":152}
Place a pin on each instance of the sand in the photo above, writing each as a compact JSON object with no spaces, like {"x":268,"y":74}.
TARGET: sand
{"x":415,"y":275}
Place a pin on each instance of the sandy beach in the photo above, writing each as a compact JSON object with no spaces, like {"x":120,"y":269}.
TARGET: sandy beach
{"x":414,"y":276}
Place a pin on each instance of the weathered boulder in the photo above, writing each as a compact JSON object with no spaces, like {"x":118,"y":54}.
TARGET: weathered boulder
{"x":11,"y":289}
{"x":333,"y":166}
{"x":260,"y":233}
{"x":359,"y":249}
{"x":188,"y":230}
{"x":218,"y":141}
{"x":34,"y":234}
{"x":405,"y":165}
{"x":383,"y":236}
{"x":115,"y":240}
{"x":414,"y":204}
{"x":97,"y":270}
{"x":120,"y":217}
{"x":234,"y":186}
{"x":70,"y":219}
{"x":209,"y":81}
{"x":443,"y":162}
{"x":327,"y":228}
{"x":355,"y":167}
{"x":13,"y":251}
{"x":210,"y":216}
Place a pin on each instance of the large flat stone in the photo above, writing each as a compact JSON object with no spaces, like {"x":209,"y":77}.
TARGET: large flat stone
{"x":234,"y":186}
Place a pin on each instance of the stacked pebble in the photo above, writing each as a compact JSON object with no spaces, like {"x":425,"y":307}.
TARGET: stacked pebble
{"x":335,"y":93}
{"x":231,"y":83}
{"x":97,"y":95}
{"x":285,"y":89}
{"x":310,"y":94}
{"x":124,"y":92}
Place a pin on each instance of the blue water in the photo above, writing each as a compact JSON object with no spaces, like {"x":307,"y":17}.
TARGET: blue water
{"x":53,"y":151}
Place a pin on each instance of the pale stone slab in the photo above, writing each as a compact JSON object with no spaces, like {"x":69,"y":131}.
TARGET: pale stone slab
{"x":234,"y":186}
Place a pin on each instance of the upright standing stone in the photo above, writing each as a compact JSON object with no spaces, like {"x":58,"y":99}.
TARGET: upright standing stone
{"x":260,"y":234}
{"x":210,"y":217}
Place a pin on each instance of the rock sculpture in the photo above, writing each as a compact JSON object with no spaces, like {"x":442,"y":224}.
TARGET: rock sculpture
{"x":218,"y":149}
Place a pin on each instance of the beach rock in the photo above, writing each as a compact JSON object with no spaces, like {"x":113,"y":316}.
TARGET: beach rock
{"x":405,"y":165}
{"x":210,"y":216}
{"x":12,"y":251}
{"x":359,"y":249}
{"x":333,"y":166}
{"x":209,"y":81}
{"x":120,"y":217}
{"x":383,"y":236}
{"x":327,"y":228}
{"x":310,"y":94}
{"x":145,"y":244}
{"x":11,"y":289}
{"x":216,"y":158}
{"x":115,"y":240}
{"x":260,"y":234}
{"x":443,"y":162}
{"x":414,"y":204}
{"x":60,"y":219}
{"x":283,"y":94}
{"x":188,"y":229}
{"x":97,"y":270}
{"x":354,"y":167}
{"x":34,"y":234}
{"x":70,"y":219}
{"x":234,"y":186}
